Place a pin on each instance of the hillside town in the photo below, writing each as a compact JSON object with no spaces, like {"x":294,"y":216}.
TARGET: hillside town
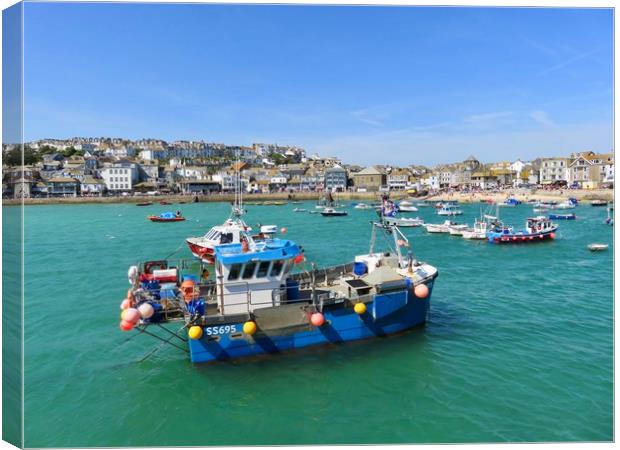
{"x":97,"y":167}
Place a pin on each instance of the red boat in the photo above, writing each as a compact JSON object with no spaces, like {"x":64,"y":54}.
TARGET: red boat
{"x":165,"y":203}
{"x":167,"y":217}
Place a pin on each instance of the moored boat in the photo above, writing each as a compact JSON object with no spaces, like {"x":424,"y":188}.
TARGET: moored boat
{"x":332,"y":212}
{"x":406,"y":206}
{"x":597,"y":247}
{"x":167,"y":217}
{"x":457,"y":229}
{"x":362,"y":206}
{"x":404,"y":222}
{"x":562,"y":216}
{"x":536,"y":229}
{"x":439,"y":227}
{"x":256,"y":305}
{"x":144,"y":204}
{"x":449,"y":210}
{"x":598,"y":203}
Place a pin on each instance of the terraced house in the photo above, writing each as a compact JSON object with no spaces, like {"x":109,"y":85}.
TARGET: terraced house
{"x":591,"y":170}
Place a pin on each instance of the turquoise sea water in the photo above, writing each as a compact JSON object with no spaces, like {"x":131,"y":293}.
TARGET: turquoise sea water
{"x":518,"y":347}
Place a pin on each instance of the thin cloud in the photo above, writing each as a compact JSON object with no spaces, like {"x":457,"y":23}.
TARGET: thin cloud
{"x":542,"y":118}
{"x":487,"y":117}
{"x":566,"y":62}
{"x":363,"y":116}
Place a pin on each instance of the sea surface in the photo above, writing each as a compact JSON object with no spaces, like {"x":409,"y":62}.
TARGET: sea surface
{"x":519,"y":346}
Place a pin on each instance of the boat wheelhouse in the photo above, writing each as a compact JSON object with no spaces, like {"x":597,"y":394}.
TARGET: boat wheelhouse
{"x":255,"y":305}
{"x":449,"y":210}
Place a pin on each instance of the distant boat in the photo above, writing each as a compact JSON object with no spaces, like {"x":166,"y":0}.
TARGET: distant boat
{"x":144,"y":204}
{"x":163,"y":202}
{"x":449,"y":210}
{"x":167,"y":217}
{"x":300,"y":210}
{"x":478,"y":232}
{"x":598,"y":203}
{"x":457,"y":230}
{"x":510,"y":202}
{"x":406,"y":206}
{"x":439,"y":227}
{"x":562,"y":216}
{"x":610,"y":218}
{"x":598,"y":247}
{"x":536,"y":229}
{"x":362,"y":206}
{"x":328,"y":212}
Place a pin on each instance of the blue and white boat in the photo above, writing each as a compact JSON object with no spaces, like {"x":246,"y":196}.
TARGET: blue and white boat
{"x":258,"y":304}
{"x":571,"y":216}
{"x":536,"y":229}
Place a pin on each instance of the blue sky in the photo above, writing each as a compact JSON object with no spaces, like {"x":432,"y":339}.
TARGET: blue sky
{"x":368,"y":84}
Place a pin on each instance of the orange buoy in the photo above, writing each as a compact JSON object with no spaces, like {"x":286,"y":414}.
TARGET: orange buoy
{"x":317,"y":319}
{"x":126,"y":326}
{"x":421,"y":291}
{"x":298,"y":259}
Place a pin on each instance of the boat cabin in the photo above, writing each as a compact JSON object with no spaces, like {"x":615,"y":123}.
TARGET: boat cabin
{"x":253,"y":276}
{"x":538,"y":224}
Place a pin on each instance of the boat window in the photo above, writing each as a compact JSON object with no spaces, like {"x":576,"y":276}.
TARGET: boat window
{"x":248,"y":272}
{"x":263,"y":268}
{"x":227,"y":238}
{"x":235,"y":269}
{"x":276,"y":269}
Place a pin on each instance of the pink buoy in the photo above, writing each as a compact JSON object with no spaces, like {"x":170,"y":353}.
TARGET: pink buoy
{"x":146,"y":310}
{"x":130,"y":315}
{"x":125,"y":304}
{"x":421,"y":291}
{"x":552,"y":235}
{"x":283,"y":230}
{"x":317,"y":319}
{"x":126,"y":326}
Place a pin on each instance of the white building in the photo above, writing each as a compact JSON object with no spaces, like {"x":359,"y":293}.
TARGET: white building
{"x":122,"y":151}
{"x":120,"y":176}
{"x":430,"y":181}
{"x":553,"y":169}
{"x":152,"y":154}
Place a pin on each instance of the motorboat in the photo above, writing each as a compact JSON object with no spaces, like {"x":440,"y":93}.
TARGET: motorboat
{"x":457,"y":229}
{"x":449,"y":210}
{"x":439,"y":227}
{"x":536,"y":229}
{"x":598,"y":247}
{"x":362,"y":206}
{"x":167,"y":217}
{"x":406,"y":206}
{"x":403,"y":222}
{"x":332,"y":212}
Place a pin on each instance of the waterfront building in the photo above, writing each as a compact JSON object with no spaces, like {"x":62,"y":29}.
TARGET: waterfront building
{"x":398,"y":179}
{"x":335,"y":179}
{"x":430,"y":181}
{"x":590,"y":170}
{"x":119,"y":176}
{"x":484,"y":179}
{"x":553,"y":170}
{"x":203,"y":187}
{"x":63,"y":187}
{"x":90,"y":185}
{"x":370,"y":179}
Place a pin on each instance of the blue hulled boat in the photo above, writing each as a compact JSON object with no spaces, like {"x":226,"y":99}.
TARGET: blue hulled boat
{"x":562,"y":216}
{"x":536,"y":229}
{"x":261,"y":302}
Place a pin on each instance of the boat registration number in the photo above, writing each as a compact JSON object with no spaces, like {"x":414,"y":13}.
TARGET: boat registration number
{"x":224,"y":329}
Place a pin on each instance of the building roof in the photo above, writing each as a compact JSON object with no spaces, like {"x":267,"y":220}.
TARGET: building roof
{"x":335,"y":168}
{"x":371,"y":170}
{"x":62,"y":180}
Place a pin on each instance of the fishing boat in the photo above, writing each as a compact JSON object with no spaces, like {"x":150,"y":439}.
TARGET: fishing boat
{"x":449,"y":210}
{"x":477,"y":232}
{"x":439,"y":227}
{"x":404,"y":222}
{"x":332,"y":212}
{"x":406,"y":206}
{"x":562,"y":216}
{"x":536,"y":229}
{"x":231,"y":231}
{"x":362,"y":206}
{"x":256,"y":304}
{"x":144,"y":204}
{"x":167,"y":217}
{"x":598,"y":203}
{"x":597,"y":247}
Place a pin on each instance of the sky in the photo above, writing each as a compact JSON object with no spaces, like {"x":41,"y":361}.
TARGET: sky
{"x":371,"y":85}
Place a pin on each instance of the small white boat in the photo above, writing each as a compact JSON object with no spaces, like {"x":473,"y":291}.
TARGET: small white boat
{"x":404,"y":221}
{"x":300,"y":210}
{"x":362,"y":206}
{"x":331,"y":212}
{"x":422,"y":205}
{"x":457,"y":230}
{"x":540,"y":210}
{"x":439,"y":227}
{"x":598,"y":247}
{"x":449,"y":210}
{"x":478,"y":232}
{"x":406,"y":206}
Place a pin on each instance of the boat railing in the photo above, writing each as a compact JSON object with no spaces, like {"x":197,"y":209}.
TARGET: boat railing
{"x":322,"y":276}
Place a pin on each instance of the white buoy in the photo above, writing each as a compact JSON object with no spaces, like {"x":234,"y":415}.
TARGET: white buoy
{"x":146,"y":310}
